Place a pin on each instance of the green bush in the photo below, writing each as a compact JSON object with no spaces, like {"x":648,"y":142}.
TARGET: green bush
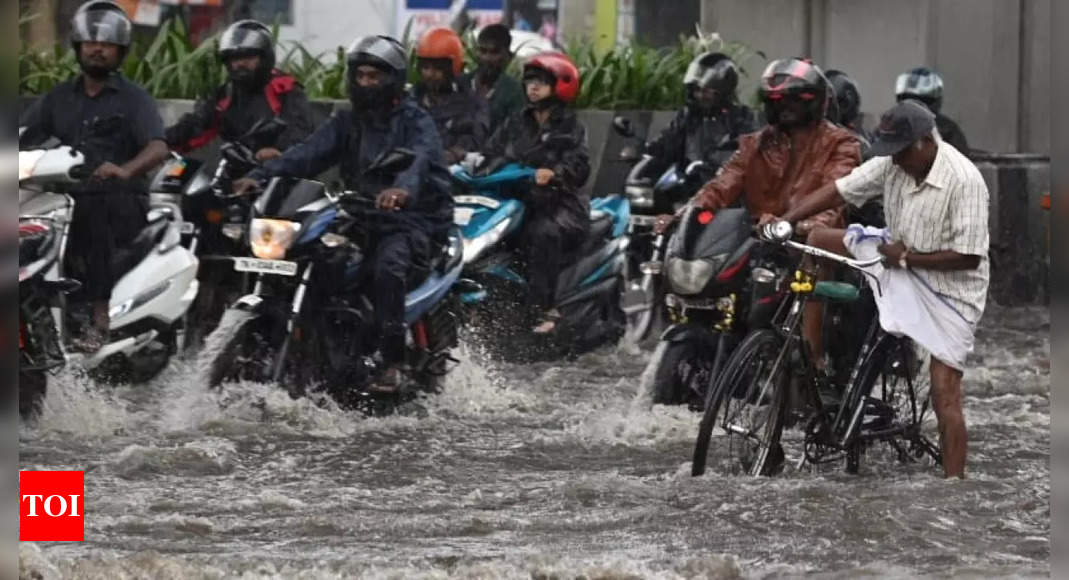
{"x":632,"y":76}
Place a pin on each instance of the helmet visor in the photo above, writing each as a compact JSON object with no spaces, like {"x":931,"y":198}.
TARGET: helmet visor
{"x":244,"y":40}
{"x":107,"y":26}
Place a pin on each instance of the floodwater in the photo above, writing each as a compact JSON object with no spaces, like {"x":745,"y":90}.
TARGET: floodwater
{"x":540,"y":471}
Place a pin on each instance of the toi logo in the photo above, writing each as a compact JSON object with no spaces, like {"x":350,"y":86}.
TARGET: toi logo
{"x":51,"y":506}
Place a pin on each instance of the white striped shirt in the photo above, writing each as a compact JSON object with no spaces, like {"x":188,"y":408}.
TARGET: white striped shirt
{"x":946,"y":212}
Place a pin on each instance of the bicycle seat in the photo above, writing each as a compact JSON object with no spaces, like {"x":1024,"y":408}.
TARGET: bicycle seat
{"x":837,"y":291}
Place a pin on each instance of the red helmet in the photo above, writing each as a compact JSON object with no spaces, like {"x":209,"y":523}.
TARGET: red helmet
{"x":442,"y":43}
{"x":564,"y":71}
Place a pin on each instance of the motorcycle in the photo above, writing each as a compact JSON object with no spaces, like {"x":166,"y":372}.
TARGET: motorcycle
{"x":652,"y":190}
{"x":489,"y":212}
{"x":213,"y":219}
{"x":719,"y":284}
{"x":156,"y":284}
{"x":306,"y":321}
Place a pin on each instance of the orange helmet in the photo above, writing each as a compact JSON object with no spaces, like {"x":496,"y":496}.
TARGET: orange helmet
{"x":441,"y":43}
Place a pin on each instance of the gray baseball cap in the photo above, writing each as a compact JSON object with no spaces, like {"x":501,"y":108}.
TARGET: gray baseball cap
{"x":900,"y":126}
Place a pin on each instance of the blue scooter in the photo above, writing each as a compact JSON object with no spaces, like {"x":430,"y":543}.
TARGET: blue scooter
{"x":308,"y":321}
{"x":489,"y":210}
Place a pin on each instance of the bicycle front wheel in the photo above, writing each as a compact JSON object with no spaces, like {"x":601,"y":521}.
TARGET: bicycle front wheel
{"x":748,"y":404}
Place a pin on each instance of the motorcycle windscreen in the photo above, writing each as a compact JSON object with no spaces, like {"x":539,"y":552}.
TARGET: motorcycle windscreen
{"x":285,"y":197}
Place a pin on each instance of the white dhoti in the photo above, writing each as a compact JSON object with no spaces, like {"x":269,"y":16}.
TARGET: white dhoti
{"x":908,"y":306}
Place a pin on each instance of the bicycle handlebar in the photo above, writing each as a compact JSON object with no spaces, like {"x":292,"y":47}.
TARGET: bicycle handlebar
{"x":780,"y":232}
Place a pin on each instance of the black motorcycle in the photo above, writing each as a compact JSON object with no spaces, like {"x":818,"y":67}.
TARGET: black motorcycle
{"x":307,"y":321}
{"x":213,"y":219}
{"x":652,"y":190}
{"x":718,"y":284}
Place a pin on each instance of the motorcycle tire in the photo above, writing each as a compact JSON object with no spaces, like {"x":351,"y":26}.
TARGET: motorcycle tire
{"x":676,"y":369}
{"x":215,"y":362}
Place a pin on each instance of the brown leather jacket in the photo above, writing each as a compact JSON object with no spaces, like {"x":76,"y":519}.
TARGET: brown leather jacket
{"x":773,"y":177}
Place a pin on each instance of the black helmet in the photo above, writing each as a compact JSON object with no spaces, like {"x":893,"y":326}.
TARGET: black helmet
{"x":101,"y":21}
{"x":922,"y":84}
{"x":794,"y":78}
{"x":385,"y":54}
{"x":245,"y":38}
{"x":712,"y":70}
{"x":248,"y":38}
{"x":847,"y":96}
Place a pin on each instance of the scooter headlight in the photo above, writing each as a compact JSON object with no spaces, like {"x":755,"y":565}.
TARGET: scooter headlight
{"x":473,"y":248}
{"x":271,"y":238}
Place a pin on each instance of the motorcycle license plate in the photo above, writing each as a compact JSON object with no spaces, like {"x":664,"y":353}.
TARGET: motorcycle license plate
{"x":462,"y":215}
{"x":279,"y":267}
{"x":186,"y":228}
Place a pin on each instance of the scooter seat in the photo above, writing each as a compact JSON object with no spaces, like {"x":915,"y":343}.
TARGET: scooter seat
{"x":129,"y":256}
{"x":600,"y":230}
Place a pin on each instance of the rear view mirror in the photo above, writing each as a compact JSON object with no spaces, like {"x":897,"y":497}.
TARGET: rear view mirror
{"x":265,"y":130}
{"x":623,"y":126}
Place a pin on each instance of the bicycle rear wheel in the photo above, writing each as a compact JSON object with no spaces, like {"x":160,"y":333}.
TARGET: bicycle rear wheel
{"x":889,"y":401}
{"x":749,"y":404}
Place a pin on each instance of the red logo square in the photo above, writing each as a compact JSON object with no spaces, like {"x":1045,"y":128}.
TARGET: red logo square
{"x":51,"y":506}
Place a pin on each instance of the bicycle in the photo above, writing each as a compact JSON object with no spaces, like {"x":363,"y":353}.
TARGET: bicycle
{"x":752,"y":398}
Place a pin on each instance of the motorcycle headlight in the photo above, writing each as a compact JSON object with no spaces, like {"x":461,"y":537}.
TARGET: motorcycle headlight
{"x":474,"y":247}
{"x":271,"y":238}
{"x":690,"y":276}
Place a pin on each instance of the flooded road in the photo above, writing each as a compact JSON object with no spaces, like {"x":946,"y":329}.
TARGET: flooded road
{"x":541,"y":471}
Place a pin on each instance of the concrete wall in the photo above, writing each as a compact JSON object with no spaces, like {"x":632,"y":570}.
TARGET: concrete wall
{"x":993,"y":54}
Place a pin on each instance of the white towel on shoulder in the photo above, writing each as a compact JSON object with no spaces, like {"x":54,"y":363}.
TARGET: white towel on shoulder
{"x":908,"y":306}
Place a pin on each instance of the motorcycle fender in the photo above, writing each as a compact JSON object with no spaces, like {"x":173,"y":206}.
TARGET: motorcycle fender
{"x":685,"y":332}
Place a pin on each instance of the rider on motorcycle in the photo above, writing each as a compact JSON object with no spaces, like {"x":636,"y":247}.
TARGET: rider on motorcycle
{"x":255,"y":91}
{"x":117,"y":126}
{"x":926,"y":86}
{"x":417,"y":206}
{"x":773,"y":169}
{"x":503,"y":93}
{"x":848,"y":98}
{"x":709,"y":125}
{"x":547,"y":135}
{"x":460,"y":115}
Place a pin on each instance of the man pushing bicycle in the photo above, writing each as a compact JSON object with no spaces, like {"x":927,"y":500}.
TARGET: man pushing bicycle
{"x":935,"y":246}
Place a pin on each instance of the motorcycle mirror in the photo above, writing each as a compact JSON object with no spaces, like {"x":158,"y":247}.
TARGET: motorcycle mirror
{"x":694,"y":168}
{"x":265,"y":129}
{"x":623,"y":126}
{"x":235,"y":153}
{"x":393,"y":161}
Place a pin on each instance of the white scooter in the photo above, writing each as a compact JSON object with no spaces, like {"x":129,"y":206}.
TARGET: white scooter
{"x":157,"y":280}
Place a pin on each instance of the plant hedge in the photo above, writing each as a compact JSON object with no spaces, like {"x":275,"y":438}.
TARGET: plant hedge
{"x":169,"y":66}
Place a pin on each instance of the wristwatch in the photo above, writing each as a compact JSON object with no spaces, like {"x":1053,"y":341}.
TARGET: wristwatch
{"x":902,"y":259}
